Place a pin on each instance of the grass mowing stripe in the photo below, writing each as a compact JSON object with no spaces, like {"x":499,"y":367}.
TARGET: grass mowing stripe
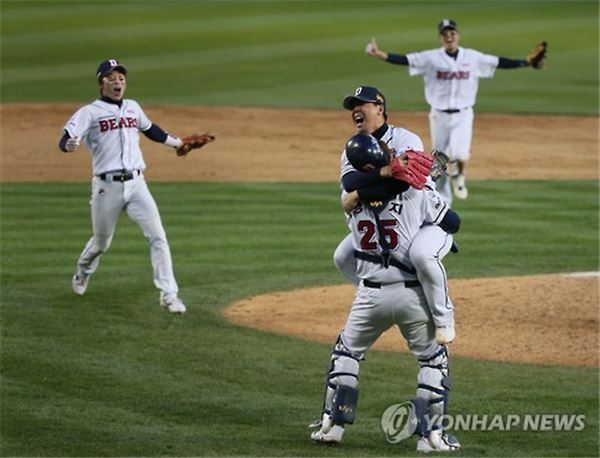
{"x":279,"y":52}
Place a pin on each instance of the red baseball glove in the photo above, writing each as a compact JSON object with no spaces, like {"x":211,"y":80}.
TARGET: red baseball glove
{"x":412,"y":167}
{"x":193,"y":141}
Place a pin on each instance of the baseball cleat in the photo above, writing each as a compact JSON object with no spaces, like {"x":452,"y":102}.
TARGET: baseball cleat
{"x":438,"y":441}
{"x":444,"y":334}
{"x":331,"y":437}
{"x":459,"y":187}
{"x":173,"y":304}
{"x":328,"y":433}
{"x":80,"y":283}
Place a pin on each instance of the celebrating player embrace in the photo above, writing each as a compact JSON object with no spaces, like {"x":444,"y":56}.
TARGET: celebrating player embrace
{"x":399,"y":230}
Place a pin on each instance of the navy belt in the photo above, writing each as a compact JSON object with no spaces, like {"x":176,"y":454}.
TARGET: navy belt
{"x":450,"y":111}
{"x":407,"y":284}
{"x":119,"y":175}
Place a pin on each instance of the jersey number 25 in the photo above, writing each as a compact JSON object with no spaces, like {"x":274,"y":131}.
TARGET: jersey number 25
{"x":369,"y":240}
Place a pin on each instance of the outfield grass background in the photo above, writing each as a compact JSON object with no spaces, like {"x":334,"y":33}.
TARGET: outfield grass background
{"x":110,"y":374}
{"x":292,"y":53}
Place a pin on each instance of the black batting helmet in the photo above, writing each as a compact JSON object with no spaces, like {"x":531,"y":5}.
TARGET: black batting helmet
{"x":363,"y":149}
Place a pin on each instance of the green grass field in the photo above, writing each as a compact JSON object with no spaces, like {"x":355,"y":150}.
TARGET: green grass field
{"x":292,"y":53}
{"x":111,"y":374}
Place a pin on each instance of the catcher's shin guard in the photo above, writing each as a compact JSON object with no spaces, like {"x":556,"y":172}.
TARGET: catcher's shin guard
{"x":343,"y":407}
{"x":419,"y":417}
{"x":434,"y":385}
{"x":341,"y":387}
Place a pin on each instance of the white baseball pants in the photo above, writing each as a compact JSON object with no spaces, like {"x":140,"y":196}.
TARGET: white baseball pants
{"x":375,"y":310}
{"x":109,"y":198}
{"x":429,"y":247}
{"x":451,"y":133}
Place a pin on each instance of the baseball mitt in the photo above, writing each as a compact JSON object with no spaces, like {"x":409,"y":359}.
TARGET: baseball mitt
{"x":412,"y":167}
{"x":193,"y":141}
{"x":537,"y":56}
{"x":440,"y":164}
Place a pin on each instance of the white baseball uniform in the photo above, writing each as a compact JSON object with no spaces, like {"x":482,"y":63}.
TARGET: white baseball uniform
{"x":111,"y":134}
{"x":390,"y":296}
{"x":399,"y":140}
{"x":430,"y":244}
{"x":376,"y":256}
{"x":386,"y":297}
{"x":450,"y":90}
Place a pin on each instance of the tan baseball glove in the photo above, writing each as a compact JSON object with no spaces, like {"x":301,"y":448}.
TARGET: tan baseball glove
{"x":193,"y":141}
{"x":537,"y":56}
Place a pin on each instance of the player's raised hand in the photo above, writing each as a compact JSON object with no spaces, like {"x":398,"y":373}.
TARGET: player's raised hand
{"x":372,"y":49}
{"x":72,"y":144}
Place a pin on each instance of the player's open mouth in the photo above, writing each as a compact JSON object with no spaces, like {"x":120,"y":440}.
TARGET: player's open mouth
{"x":358,"y":119}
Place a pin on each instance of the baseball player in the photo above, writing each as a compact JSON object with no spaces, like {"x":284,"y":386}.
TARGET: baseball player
{"x":432,"y":242}
{"x":388,"y":294}
{"x":109,"y":127}
{"x":451,"y":75}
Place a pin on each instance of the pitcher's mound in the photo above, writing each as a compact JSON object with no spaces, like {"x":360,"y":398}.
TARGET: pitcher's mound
{"x":545,"y":319}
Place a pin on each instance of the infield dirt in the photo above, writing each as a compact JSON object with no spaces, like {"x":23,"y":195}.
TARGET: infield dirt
{"x":506,"y":319}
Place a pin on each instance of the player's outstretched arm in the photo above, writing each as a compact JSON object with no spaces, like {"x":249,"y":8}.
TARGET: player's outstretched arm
{"x":182,"y":145}
{"x":156,"y":134}
{"x":536,"y":59}
{"x":373,"y":50}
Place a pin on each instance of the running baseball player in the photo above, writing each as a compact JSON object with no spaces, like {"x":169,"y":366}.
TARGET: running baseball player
{"x":432,"y":242}
{"x":388,"y":294}
{"x":109,"y":127}
{"x":451,"y":75}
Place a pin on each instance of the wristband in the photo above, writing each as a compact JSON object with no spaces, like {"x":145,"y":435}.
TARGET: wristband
{"x":175,"y":142}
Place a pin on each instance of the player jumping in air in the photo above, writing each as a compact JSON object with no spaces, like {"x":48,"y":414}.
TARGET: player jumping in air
{"x":451,"y":75}
{"x":109,"y":127}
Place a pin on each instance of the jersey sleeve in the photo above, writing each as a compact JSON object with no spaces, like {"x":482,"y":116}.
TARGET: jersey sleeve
{"x":418,"y":62}
{"x":415,"y":143}
{"x":144,"y":122}
{"x":345,"y":166}
{"x":486,"y":64}
{"x":404,"y":140}
{"x":79,"y":124}
{"x":435,"y":207}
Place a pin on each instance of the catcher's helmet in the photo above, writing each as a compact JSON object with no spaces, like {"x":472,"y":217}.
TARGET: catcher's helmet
{"x":363,"y":149}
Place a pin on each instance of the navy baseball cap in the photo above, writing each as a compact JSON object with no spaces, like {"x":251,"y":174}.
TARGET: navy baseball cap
{"x":447,"y":24}
{"x":365,"y":94}
{"x":108,"y":66}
